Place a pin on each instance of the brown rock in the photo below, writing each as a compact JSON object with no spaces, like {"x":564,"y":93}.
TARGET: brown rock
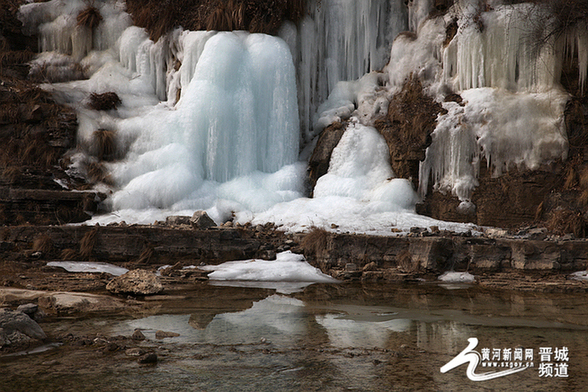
{"x":148,"y":358}
{"x":137,"y":335}
{"x":138,"y":282}
{"x":200,"y":220}
{"x":407,"y":128}
{"x":318,"y":165}
{"x":164,"y":334}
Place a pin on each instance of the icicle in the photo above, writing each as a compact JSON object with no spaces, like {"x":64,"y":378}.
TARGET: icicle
{"x":341,"y":40}
{"x":582,"y":37}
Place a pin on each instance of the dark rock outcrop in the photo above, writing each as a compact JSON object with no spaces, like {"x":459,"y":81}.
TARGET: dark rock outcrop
{"x":18,"y":331}
{"x":318,"y":165}
{"x":407,"y":128}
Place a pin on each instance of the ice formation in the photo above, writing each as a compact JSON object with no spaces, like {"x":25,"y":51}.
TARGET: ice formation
{"x":340,"y":40}
{"x":85,"y":266}
{"x":457,"y":277}
{"x":288,"y":267}
{"x":513,"y":105}
{"x":580,"y":275}
{"x":215,"y":120}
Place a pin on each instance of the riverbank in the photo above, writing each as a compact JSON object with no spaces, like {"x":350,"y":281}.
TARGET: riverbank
{"x":528,"y":259}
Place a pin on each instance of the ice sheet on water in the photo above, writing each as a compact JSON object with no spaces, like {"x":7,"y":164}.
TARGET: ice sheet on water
{"x":86,"y":266}
{"x":288,"y":267}
{"x":580,"y":275}
{"x":457,"y":277}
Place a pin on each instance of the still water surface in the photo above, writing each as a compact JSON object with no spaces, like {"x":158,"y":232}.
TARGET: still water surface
{"x":327,"y":337}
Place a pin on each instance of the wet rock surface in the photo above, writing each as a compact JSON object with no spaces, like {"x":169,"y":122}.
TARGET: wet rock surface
{"x":18,"y":331}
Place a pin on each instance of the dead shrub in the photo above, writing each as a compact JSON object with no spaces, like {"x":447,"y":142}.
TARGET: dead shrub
{"x":238,"y":16}
{"x":407,"y":127}
{"x":104,"y":101}
{"x":105,"y":144}
{"x":146,"y":255}
{"x":43,"y":244}
{"x":88,"y":242}
{"x":90,"y":17}
{"x":315,"y":240}
{"x":10,"y":57}
{"x":96,"y":173}
{"x":220,"y":19}
{"x":10,"y":113}
{"x":564,"y":221}
{"x":265,"y":16}
{"x":69,"y":254}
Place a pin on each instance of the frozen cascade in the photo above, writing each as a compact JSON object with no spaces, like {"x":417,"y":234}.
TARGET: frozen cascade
{"x":238,"y":115}
{"x":210,"y":120}
{"x":340,"y":40}
{"x":56,"y":23}
{"x":513,"y":108}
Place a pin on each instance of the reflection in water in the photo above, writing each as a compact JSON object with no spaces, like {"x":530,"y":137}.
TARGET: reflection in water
{"x":350,"y":333}
{"x":331,"y":337}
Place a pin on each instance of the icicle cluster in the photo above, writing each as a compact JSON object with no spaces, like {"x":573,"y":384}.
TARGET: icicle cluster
{"x":57,"y":25}
{"x":340,"y":40}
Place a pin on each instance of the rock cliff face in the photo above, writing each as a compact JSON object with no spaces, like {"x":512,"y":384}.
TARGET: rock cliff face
{"x":490,"y":180}
{"x":407,"y":128}
{"x":35,"y":134}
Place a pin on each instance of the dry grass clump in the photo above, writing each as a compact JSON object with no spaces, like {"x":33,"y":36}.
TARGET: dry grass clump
{"x":146,"y":255}
{"x":221,"y":17}
{"x":69,"y":254}
{"x":11,"y":174}
{"x":261,"y":16}
{"x":87,"y":243}
{"x":316,"y":240}
{"x":563,"y":221}
{"x":104,"y":101}
{"x":96,"y":173}
{"x":105,"y":143}
{"x":90,"y":17}
{"x":43,"y":244}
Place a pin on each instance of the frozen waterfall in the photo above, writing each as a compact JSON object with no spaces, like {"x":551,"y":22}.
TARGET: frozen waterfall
{"x":216,"y":120}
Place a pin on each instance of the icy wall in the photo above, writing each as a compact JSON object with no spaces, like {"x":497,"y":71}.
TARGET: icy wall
{"x":506,"y":66}
{"x":215,"y":120}
{"x":340,"y":40}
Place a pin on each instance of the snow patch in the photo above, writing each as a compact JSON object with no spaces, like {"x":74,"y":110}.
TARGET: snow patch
{"x":457,"y":277}
{"x":86,"y":266}
{"x":288,"y":267}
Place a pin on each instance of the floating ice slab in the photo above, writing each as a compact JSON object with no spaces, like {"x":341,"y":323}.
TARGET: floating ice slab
{"x":84,"y":266}
{"x":580,"y":275}
{"x":457,"y":277}
{"x":288,"y":267}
